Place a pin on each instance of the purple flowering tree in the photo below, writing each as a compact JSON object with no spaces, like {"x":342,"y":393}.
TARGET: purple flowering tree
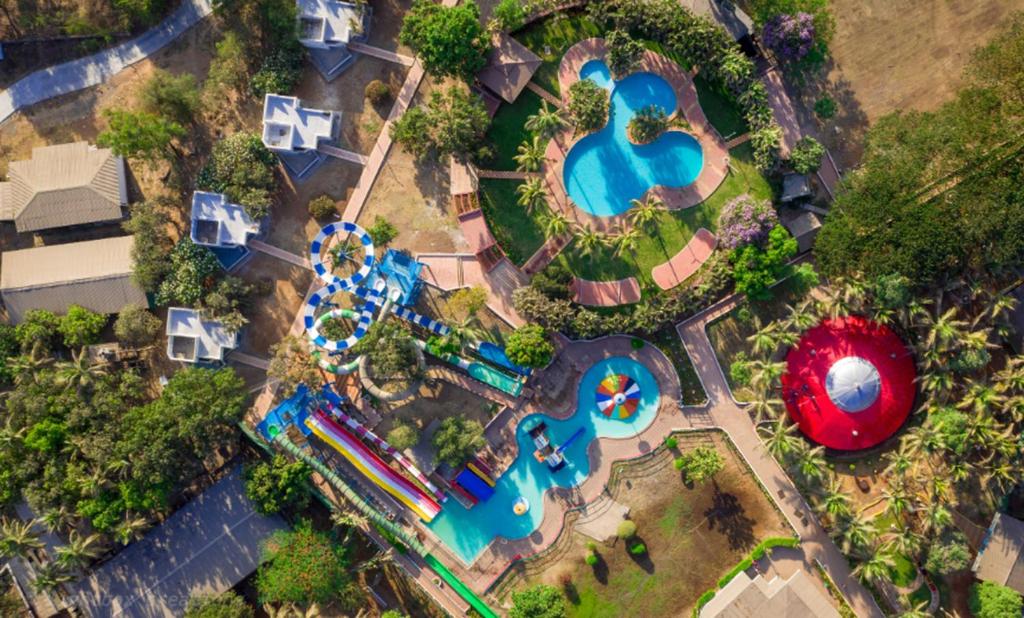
{"x":745,"y":220}
{"x":791,"y":37}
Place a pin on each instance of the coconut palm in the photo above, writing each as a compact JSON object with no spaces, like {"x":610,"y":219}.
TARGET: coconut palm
{"x":532,"y":194}
{"x":944,"y":329}
{"x":556,"y":225}
{"x":897,"y":501}
{"x":79,"y":550}
{"x":810,"y":462}
{"x":131,"y":529}
{"x":351,"y":520}
{"x":801,"y":317}
{"x":464,"y":331}
{"x":765,"y":339}
{"x":935,"y":516}
{"x":938,"y":383}
{"x":27,"y":366}
{"x":9,"y":435}
{"x":589,"y":241}
{"x":901,"y":460}
{"x":875,"y":567}
{"x":765,"y":407}
{"x":918,"y":611}
{"x":80,"y":373}
{"x":56,"y":519}
{"x":906,"y":541}
{"x":834,"y":500}
{"x":644,"y":213}
{"x":547,"y":122}
{"x":627,"y":241}
{"x":981,"y":397}
{"x":782,"y":440}
{"x":530,"y":155}
{"x":765,"y":374}
{"x":49,"y":577}
{"x":17,"y":538}
{"x":856,"y":533}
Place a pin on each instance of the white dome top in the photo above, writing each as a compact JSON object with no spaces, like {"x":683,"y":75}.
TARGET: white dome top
{"x":853,"y":384}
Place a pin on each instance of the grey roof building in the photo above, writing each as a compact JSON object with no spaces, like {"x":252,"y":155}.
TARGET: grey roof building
{"x":64,"y":185}
{"x":746,"y":597}
{"x":95,"y":274}
{"x":1001,"y":558}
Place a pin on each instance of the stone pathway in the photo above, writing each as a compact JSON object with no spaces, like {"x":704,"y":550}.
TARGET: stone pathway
{"x":542,"y":92}
{"x":605,"y":293}
{"x":95,"y":69}
{"x":503,"y":175}
{"x":382,"y":54}
{"x":546,"y":254}
{"x":281,"y":254}
{"x":341,"y":153}
{"x":736,"y":141}
{"x":249,"y":359}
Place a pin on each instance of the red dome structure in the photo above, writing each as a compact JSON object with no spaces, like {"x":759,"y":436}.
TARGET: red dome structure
{"x":849,"y":383}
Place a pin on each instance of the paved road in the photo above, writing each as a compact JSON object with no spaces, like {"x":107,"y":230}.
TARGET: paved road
{"x":729,"y":416}
{"x":97,"y":68}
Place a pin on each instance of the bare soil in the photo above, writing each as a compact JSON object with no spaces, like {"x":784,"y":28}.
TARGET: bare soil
{"x":271,"y":316}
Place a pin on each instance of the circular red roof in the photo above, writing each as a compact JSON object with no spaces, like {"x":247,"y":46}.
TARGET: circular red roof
{"x":849,"y":383}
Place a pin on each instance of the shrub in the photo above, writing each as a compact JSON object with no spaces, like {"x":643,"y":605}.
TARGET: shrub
{"x":791,"y":37}
{"x":756,"y":269}
{"x":173,"y":96}
{"x":647,"y":124}
{"x":825,"y":107}
{"x":377,"y":92}
{"x":990,"y":600}
{"x":192,"y":269}
{"x":637,"y":344}
{"x":591,"y":546}
{"x":671,"y":442}
{"x":624,"y":52}
{"x":743,"y":565}
{"x":948,"y":554}
{"x":242,"y":168}
{"x":805,"y":157}
{"x":136,"y":327}
{"x":626,"y":529}
{"x":529,"y":346}
{"x":588,"y":105}
{"x":745,"y":220}
{"x":150,"y":245}
{"x":382,"y":231}
{"x":591,"y":559}
{"x":740,"y":371}
{"x":540,"y":601}
{"x":279,"y":73}
{"x":457,"y":439}
{"x":403,"y":436}
{"x":81,"y":327}
{"x":510,"y":15}
{"x":467,"y":302}
{"x":37,"y":325}
{"x":322,"y":207}
{"x":700,"y":464}
{"x":275,"y":486}
{"x":638,"y":549}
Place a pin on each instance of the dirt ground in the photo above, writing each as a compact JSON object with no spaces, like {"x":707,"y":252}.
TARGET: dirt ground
{"x":890,"y":56}
{"x":272,"y":315}
{"x":693,"y":534}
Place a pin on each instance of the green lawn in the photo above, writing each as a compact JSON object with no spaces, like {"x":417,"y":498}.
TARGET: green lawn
{"x":668,"y":342}
{"x":904,"y":572}
{"x":921,"y":596}
{"x":507,"y":132}
{"x":675,"y":228}
{"x":551,"y":38}
{"x":721,"y":111}
{"x":518,"y":233}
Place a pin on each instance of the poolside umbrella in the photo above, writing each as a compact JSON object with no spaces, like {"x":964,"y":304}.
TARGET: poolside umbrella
{"x":618,"y":396}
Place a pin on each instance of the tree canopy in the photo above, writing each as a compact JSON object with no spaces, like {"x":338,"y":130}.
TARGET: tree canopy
{"x":450,"y":41}
{"x":227,"y":605}
{"x":140,"y":135}
{"x":277,"y":485}
{"x":303,"y":566}
{"x":242,"y":168}
{"x":990,"y":600}
{"x":457,"y":439}
{"x":454,"y":123}
{"x":539,"y":601}
{"x":529,"y":346}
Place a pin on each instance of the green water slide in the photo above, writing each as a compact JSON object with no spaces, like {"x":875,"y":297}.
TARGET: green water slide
{"x":495,"y":378}
{"x":378,"y":519}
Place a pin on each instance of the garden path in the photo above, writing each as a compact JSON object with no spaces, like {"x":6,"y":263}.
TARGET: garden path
{"x":382,"y":54}
{"x":279,"y":253}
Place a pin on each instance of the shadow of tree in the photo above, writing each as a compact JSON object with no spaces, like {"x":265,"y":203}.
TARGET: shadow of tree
{"x":727,"y":515}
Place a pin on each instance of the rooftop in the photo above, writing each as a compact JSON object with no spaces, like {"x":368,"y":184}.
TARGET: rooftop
{"x":287,"y":126}
{"x":1001,"y":559}
{"x":219,"y":223}
{"x":192,"y":339}
{"x":746,"y":597}
{"x":63,"y":185}
{"x":54,"y":265}
{"x":328,"y":22}
{"x":510,"y":66}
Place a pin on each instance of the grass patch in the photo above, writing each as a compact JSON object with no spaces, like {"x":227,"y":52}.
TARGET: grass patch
{"x":720,"y":109}
{"x":674,"y":229}
{"x":518,"y":233}
{"x":670,"y":345}
{"x":903,"y":572}
{"x":507,"y":132}
{"x":921,"y":596}
{"x":550,"y":38}
{"x":729,"y":333}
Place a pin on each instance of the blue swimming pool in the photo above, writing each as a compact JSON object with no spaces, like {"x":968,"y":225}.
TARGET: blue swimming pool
{"x":468,"y":531}
{"x":604,"y":171}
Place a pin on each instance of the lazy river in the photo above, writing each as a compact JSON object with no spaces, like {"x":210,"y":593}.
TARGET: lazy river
{"x":467,"y":532}
{"x":604,"y":171}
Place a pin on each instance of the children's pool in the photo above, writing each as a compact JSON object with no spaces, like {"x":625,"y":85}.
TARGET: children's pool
{"x":468,"y":531}
{"x":604,"y":171}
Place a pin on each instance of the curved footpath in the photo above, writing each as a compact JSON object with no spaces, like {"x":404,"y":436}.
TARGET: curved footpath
{"x":95,"y":69}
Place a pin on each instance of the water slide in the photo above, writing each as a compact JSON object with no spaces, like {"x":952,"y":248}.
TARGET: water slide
{"x":572,"y":438}
{"x":479,"y":371}
{"x":375,"y":469}
{"x":496,"y":356}
{"x":474,"y":601}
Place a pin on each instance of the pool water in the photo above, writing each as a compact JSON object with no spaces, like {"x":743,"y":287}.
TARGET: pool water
{"x":467,"y":532}
{"x":604,"y":171}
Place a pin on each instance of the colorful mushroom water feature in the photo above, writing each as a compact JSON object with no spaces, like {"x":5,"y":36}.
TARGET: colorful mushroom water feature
{"x":618,"y":396}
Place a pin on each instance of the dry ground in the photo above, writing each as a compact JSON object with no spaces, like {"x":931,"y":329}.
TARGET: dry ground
{"x":272,"y":315}
{"x":694,"y":534}
{"x":890,"y":56}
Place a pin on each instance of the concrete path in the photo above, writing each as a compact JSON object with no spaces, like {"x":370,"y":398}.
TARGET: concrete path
{"x":382,"y":54}
{"x":738,"y":140}
{"x":540,"y":91}
{"x":281,"y":254}
{"x":725,"y":413}
{"x":97,"y":68}
{"x":341,"y":153}
{"x":503,"y":175}
{"x":249,"y":359}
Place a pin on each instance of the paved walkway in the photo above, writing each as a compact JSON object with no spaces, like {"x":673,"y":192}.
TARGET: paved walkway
{"x":281,"y":254}
{"x":503,"y":175}
{"x":686,"y":262}
{"x":383,"y":54}
{"x":605,"y":293}
{"x":97,"y":68}
{"x":341,"y":153}
{"x":546,"y":254}
{"x":249,"y":359}
{"x":736,"y":141}
{"x":542,"y":92}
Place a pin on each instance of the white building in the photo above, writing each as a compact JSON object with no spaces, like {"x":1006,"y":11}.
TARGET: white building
{"x":290,"y":128}
{"x":216,"y":222}
{"x":326,"y":27}
{"x":191,"y":339}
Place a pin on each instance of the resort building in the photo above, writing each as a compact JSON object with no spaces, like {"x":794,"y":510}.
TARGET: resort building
{"x":191,"y":339}
{"x":744,"y":597}
{"x":326,"y":27}
{"x":1001,"y":558}
{"x":64,"y":185}
{"x":803,"y":225}
{"x":95,"y":274}
{"x":294,"y":132}
{"x":216,"y":222}
{"x":510,"y":67}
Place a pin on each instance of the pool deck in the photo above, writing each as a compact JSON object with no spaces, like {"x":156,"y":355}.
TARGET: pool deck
{"x":716,"y":155}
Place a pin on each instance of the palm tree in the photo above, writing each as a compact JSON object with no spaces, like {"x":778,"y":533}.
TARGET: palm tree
{"x":782,"y":440}
{"x":935,"y":517}
{"x":532,"y":194}
{"x":49,"y":577}
{"x":945,"y":329}
{"x":875,"y":567}
{"x":556,"y":225}
{"x":644,"y":214}
{"x":897,"y":501}
{"x":834,"y":500}
{"x":765,"y":407}
{"x":981,"y":397}
{"x":350,"y":520}
{"x":531,"y":155}
{"x":765,"y":339}
{"x":856,"y":532}
{"x":9,"y":436}
{"x":810,"y":462}
{"x":547,"y":122}
{"x":26,"y":366}
{"x":80,"y":373}
{"x":918,"y":611}
{"x":901,"y":460}
{"x":627,"y":241}
{"x":764,"y":374}
{"x":801,"y":317}
{"x":462,"y":332}
{"x":906,"y":541}
{"x":56,"y":519}
{"x":588,"y":241}
{"x":17,"y":538}
{"x":130,"y":529}
{"x":79,"y":550}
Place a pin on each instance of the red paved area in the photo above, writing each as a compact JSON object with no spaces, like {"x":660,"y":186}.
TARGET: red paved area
{"x":606,"y":293}
{"x":807,"y":398}
{"x":688,"y":261}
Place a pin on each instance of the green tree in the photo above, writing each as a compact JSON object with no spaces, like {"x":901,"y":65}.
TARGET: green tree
{"x":413,"y":130}
{"x":547,"y":122}
{"x":242,"y":168}
{"x":948,"y":554}
{"x":192,"y":268}
{"x":140,"y":135}
{"x":467,"y":302}
{"x":626,"y":529}
{"x":450,"y":41}
{"x":9,"y":348}
{"x":37,"y":325}
{"x":624,"y":53}
{"x":701,"y":464}
{"x":531,"y":155}
{"x":539,"y":601}
{"x":453,"y":124}
{"x":990,"y":600}
{"x":136,"y":327}
{"x":556,"y":225}
{"x":382,"y":231}
{"x":510,"y":15}
{"x":229,"y":68}
{"x":322,"y":207}
{"x":303,"y":566}
{"x":148,"y":223}
{"x":175,"y":97}
{"x":805,"y":157}
{"x":530,"y":346}
{"x":225,"y":605}
{"x":643,"y":214}
{"x":17,"y":538}
{"x":756,"y":269}
{"x":403,"y":436}
{"x":532,"y":194}
{"x":588,"y":105}
{"x":80,"y":327}
{"x":390,"y":350}
{"x":291,"y":364}
{"x":278,"y":485}
{"x":458,"y":439}
{"x":280,"y":72}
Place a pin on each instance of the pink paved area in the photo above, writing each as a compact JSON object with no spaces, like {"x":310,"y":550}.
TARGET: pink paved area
{"x":715,"y":152}
{"x":605,"y":293}
{"x":685,"y":263}
{"x":451,"y":271}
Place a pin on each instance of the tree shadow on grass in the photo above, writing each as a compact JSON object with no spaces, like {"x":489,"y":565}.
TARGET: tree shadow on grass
{"x":641,"y":560}
{"x":728,"y":516}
